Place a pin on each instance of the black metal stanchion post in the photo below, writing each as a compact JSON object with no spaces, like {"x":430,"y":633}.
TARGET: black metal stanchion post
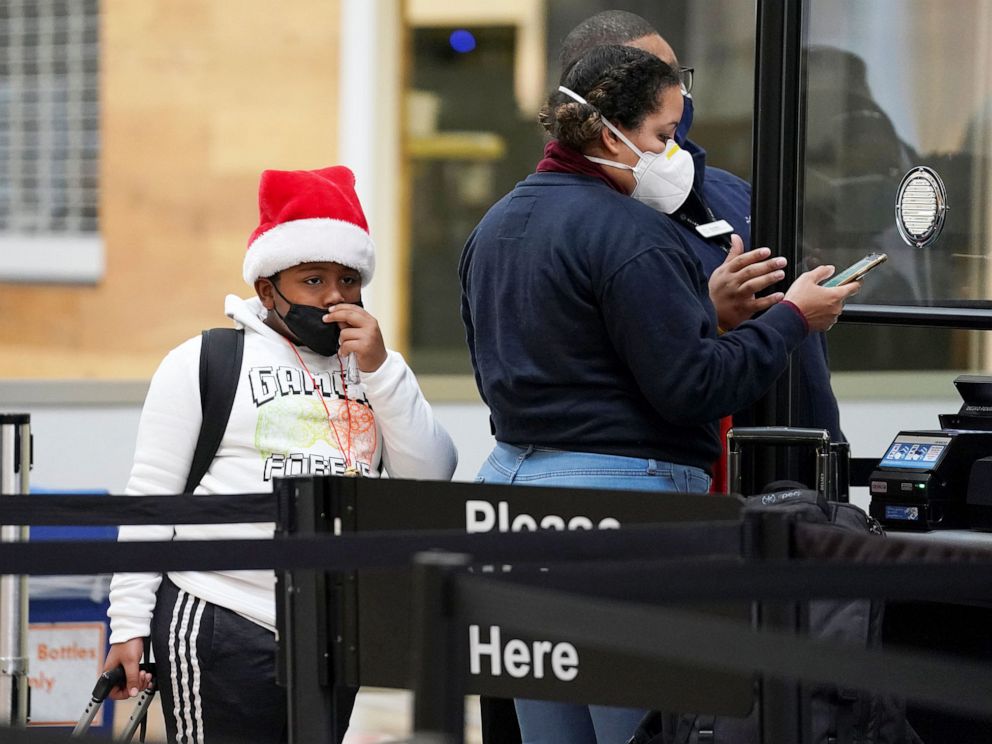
{"x":780,"y":720}
{"x":304,"y":664}
{"x":438,"y":642}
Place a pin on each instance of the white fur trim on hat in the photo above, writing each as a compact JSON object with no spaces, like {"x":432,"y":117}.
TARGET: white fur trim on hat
{"x":311,"y":239}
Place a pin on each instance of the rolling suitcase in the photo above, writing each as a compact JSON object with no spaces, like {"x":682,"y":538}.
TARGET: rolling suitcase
{"x":835,"y":715}
{"x":107,"y":682}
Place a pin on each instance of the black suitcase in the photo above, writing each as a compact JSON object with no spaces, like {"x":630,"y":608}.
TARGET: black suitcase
{"x":837,"y":716}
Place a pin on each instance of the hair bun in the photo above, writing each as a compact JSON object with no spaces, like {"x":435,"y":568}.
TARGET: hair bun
{"x":571,"y":122}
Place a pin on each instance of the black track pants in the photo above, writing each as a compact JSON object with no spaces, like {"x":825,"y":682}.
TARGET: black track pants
{"x":216,"y":674}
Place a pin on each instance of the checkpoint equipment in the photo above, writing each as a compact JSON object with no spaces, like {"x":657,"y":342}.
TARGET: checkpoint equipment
{"x":924,"y":479}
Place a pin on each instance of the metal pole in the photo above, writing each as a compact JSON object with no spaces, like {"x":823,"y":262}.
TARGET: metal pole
{"x":304,"y":656}
{"x":780,"y":707}
{"x":438,"y":674}
{"x":15,"y":466}
{"x":776,"y":197}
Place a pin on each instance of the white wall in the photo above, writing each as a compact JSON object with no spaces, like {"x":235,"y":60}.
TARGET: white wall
{"x":91,"y":445}
{"x":870,"y":425}
{"x":82,"y":446}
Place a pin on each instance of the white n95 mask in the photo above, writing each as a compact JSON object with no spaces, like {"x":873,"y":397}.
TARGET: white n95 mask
{"x":664,"y":179}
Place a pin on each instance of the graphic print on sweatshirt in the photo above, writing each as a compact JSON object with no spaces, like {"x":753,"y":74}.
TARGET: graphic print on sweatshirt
{"x":292,"y":433}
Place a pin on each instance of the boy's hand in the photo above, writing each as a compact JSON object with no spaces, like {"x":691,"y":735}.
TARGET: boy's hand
{"x":128,"y":654}
{"x":360,"y":335}
{"x":735,"y":282}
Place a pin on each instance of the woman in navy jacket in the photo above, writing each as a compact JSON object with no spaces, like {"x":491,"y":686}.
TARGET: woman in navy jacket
{"x":592,"y":335}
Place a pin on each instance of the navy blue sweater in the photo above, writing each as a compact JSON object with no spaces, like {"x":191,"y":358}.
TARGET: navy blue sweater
{"x":729,"y":198}
{"x":590,"y":327}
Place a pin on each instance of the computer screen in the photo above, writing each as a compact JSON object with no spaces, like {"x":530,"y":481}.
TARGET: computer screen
{"x":914,"y":452}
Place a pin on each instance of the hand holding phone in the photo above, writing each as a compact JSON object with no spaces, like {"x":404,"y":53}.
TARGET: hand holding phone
{"x":820,"y":305}
{"x":856,"y":271}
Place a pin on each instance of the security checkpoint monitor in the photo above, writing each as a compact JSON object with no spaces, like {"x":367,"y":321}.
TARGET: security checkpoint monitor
{"x":922,"y":481}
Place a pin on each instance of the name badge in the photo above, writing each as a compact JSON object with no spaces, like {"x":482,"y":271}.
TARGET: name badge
{"x":712,"y":229}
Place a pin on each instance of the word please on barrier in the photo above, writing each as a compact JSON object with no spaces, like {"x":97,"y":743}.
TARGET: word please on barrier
{"x":483,"y":516}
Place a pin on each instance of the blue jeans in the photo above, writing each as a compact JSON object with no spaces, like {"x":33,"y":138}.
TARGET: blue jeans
{"x":543,"y":722}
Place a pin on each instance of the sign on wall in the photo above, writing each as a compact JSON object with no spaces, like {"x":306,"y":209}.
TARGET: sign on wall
{"x":64,"y":662}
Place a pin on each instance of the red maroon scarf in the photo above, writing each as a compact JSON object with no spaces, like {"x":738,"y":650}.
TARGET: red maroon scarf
{"x":561,"y":159}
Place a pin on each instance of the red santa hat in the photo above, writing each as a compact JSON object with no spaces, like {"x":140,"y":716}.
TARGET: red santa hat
{"x":309,"y":216}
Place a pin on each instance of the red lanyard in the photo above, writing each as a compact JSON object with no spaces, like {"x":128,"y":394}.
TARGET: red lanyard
{"x":349,"y":466}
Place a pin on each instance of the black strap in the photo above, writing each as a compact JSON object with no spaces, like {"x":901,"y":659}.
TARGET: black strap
{"x":221,"y":352}
{"x":691,"y":222}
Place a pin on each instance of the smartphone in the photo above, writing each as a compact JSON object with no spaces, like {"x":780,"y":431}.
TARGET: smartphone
{"x":856,"y":271}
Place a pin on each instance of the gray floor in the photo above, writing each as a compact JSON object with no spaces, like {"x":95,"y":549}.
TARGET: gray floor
{"x":380,"y":716}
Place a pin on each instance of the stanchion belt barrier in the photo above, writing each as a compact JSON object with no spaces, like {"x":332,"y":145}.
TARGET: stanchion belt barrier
{"x":627,"y":628}
{"x":657,"y":581}
{"x":675,"y":580}
{"x":87,"y":509}
{"x":632,"y":545}
{"x":718,"y":577}
{"x":813,"y":542}
{"x":350,"y":552}
{"x":693,"y":638}
{"x":373,"y":607}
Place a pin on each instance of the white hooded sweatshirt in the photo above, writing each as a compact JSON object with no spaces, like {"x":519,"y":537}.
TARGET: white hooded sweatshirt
{"x":278,"y":427}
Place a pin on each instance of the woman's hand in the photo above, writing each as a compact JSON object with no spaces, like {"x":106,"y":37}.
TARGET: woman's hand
{"x":360,"y":335}
{"x":735,"y":283}
{"x":820,"y":305}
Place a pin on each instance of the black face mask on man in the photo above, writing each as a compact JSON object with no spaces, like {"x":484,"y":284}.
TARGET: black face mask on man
{"x":306,"y":323}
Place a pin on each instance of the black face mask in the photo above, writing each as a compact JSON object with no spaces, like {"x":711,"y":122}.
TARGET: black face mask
{"x":305,"y":322}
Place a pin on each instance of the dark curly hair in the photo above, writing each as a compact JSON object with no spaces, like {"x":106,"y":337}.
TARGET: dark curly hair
{"x":620,"y":83}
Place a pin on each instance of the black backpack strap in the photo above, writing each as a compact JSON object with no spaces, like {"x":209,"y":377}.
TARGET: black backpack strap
{"x":221,"y":351}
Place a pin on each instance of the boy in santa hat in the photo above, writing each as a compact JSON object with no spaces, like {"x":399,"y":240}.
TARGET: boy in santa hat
{"x":318,"y":394}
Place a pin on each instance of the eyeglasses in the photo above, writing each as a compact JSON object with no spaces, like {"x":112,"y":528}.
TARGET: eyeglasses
{"x":685,"y":76}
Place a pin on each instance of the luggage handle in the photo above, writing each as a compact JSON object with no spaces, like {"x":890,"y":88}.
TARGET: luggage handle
{"x":778,"y":435}
{"x":105,"y":683}
{"x":781,"y":436}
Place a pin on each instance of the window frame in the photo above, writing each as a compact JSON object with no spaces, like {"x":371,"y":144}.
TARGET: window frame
{"x":45,"y":256}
